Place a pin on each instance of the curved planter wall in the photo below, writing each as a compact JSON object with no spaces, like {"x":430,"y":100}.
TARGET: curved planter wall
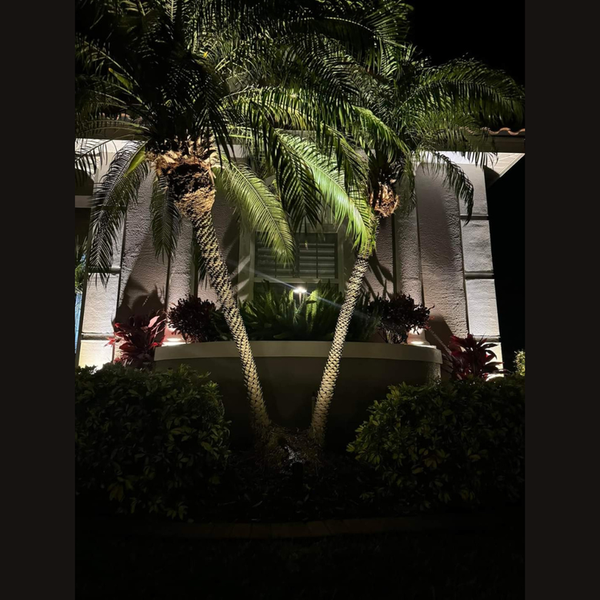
{"x":290,"y":373}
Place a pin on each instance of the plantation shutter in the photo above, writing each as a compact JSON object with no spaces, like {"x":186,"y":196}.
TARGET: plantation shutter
{"x":316,"y":260}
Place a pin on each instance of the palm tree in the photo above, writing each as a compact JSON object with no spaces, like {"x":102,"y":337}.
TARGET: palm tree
{"x":423,"y":109}
{"x":192,"y":79}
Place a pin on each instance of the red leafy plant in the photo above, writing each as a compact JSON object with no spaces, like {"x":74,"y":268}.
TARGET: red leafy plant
{"x":137,"y":339}
{"x":469,"y":357}
{"x":400,"y":315}
{"x":196,"y":320}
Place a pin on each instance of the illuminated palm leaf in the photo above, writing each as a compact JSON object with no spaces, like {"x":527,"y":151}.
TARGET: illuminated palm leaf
{"x":259,"y":208}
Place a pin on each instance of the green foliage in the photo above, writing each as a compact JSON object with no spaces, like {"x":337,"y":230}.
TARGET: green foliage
{"x":447,"y":443}
{"x":149,"y":442}
{"x":274,"y":315}
{"x":189,"y":77}
{"x":520,"y":363}
{"x":366,"y":320}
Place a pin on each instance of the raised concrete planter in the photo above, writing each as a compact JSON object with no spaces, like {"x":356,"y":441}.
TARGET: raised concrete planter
{"x":290,"y":373}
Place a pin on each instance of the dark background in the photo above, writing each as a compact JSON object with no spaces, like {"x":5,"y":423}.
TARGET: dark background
{"x":46,"y":461}
{"x":495,"y":34}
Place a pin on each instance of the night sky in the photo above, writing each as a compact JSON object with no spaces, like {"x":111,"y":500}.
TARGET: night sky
{"x":491,"y":32}
{"x":495,"y":34}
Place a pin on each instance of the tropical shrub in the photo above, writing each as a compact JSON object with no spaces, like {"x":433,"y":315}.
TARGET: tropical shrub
{"x":197,"y":320}
{"x":366,"y":320}
{"x":274,"y":315}
{"x":400,"y":315}
{"x":137,"y":339}
{"x":520,"y":363}
{"x":469,"y":357}
{"x":148,"y":442}
{"x":449,"y":442}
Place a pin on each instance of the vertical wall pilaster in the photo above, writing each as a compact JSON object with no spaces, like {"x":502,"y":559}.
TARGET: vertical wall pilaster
{"x":439,"y":225}
{"x":407,"y":256}
{"x":100,"y":300}
{"x":143,"y":285}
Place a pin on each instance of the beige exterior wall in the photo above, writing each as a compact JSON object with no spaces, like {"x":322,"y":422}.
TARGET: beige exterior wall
{"x":433,"y":254}
{"x":441,"y":256}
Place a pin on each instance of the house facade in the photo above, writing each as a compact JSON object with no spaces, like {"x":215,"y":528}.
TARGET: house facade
{"x":435,"y":254}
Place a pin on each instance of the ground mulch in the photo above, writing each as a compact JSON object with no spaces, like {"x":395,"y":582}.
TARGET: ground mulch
{"x":406,"y":566}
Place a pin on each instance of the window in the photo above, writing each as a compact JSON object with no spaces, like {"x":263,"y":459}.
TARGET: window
{"x":318,"y":259}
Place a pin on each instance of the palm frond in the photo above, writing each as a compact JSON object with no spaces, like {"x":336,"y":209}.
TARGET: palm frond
{"x":373,"y":133}
{"x":94,"y":142}
{"x":322,"y":119}
{"x":311,"y":182}
{"x":406,"y":187}
{"x":258,"y":207}
{"x":467,"y":86}
{"x":454,"y":178}
{"x":112,"y":196}
{"x":165,"y":219}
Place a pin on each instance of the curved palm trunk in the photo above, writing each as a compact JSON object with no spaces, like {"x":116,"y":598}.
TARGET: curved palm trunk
{"x":219,"y":278}
{"x":198,"y":208}
{"x":332,"y":366}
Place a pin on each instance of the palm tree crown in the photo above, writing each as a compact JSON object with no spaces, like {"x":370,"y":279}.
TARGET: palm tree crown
{"x":195,"y":84}
{"x":204,"y":79}
{"x":419,"y":111}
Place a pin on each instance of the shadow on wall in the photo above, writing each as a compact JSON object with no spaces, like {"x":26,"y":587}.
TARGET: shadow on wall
{"x":138,"y":303}
{"x":382,"y":275}
{"x":144,"y":275}
{"x":441,"y":332}
{"x":441,"y":257}
{"x":438,"y":335}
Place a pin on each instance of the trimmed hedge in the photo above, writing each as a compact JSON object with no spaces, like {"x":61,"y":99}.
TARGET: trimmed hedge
{"x":149,"y":442}
{"x":458,"y":442}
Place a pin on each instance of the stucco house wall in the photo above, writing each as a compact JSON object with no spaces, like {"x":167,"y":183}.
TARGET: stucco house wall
{"x":433,"y":254}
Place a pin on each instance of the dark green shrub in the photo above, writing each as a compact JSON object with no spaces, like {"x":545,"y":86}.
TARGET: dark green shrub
{"x":275,"y":315}
{"x":456,"y":442}
{"x":151,"y":442}
{"x":366,"y":320}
